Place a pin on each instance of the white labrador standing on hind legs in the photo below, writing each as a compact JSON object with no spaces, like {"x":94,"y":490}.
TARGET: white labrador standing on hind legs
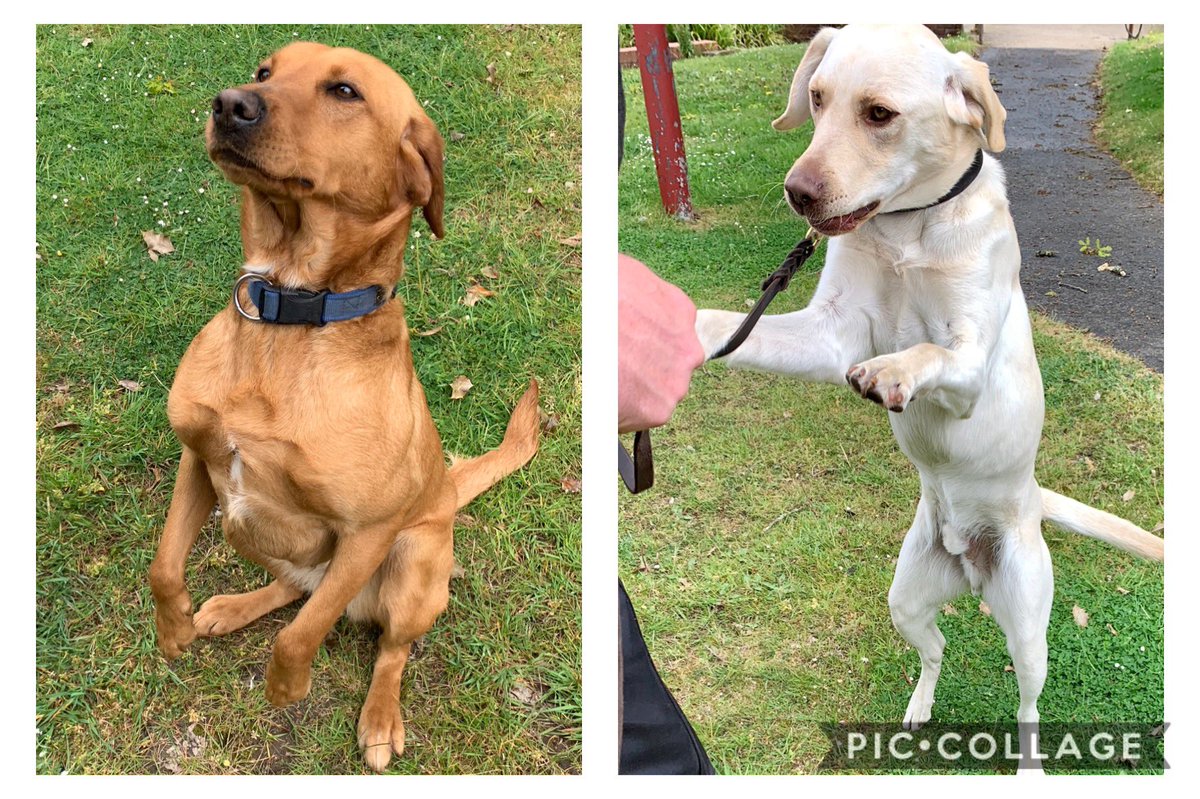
{"x":920,"y":309}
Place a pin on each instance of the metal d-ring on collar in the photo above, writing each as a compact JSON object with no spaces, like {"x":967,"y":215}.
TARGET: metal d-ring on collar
{"x":237,"y":303}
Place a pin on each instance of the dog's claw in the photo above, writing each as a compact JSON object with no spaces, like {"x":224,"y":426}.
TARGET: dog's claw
{"x":380,"y":734}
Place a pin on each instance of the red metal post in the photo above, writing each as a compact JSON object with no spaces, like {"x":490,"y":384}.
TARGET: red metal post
{"x":662,"y":111}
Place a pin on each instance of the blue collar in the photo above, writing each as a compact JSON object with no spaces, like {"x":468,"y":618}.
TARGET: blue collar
{"x":284,"y":306}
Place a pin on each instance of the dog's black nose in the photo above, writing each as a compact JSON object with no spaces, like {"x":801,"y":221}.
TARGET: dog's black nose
{"x":801,"y":191}
{"x":237,"y":108}
{"x":799,"y":200}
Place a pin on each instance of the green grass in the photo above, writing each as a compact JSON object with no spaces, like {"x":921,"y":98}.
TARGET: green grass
{"x":495,"y":687}
{"x":761,"y":560}
{"x":1131,"y":122}
{"x":726,"y":36}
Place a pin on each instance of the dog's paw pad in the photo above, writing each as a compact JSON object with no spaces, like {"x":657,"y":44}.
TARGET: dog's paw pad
{"x":882,"y":382}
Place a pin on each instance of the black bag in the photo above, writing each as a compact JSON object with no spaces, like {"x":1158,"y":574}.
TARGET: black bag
{"x":655,"y":735}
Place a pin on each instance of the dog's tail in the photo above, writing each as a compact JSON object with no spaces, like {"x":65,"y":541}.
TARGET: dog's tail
{"x":1086,"y":520}
{"x":473,"y":476}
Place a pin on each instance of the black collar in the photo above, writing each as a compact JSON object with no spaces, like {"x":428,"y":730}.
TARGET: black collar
{"x":967,"y":179}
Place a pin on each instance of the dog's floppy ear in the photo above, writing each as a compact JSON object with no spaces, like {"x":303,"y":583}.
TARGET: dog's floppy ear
{"x":421,"y":173}
{"x":797,"y":108}
{"x":971,"y":101}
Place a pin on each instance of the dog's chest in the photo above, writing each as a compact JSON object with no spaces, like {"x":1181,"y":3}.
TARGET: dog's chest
{"x":319,"y":450}
{"x":923,"y":310}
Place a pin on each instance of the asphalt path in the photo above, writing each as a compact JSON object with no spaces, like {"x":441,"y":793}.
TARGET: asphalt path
{"x":1063,"y":188}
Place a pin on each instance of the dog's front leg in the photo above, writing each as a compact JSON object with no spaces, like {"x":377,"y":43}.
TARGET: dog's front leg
{"x":191,"y":504}
{"x":356,"y":557}
{"x":818,"y":343}
{"x":952,"y":379}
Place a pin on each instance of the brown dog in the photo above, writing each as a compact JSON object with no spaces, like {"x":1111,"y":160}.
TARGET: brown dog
{"x":316,"y":439}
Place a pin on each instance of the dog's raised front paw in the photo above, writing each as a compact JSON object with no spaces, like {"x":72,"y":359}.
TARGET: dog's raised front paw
{"x":882,"y":380}
{"x":714,"y":328}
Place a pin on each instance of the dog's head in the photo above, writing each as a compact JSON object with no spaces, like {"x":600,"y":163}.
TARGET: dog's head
{"x":334,"y":129}
{"x":897,"y":120}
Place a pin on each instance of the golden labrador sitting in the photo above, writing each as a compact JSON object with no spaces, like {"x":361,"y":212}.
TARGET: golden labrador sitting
{"x":316,"y":438}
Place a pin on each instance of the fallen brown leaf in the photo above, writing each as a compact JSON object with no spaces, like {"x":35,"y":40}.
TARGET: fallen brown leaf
{"x":949,"y":610}
{"x":1080,"y":615}
{"x":1128,"y":495}
{"x":457,"y":572}
{"x":456,"y":136}
{"x":475,"y":293}
{"x":1009,"y":667}
{"x":130,"y":385}
{"x":1158,"y":528}
{"x":525,"y":692}
{"x":433,"y":331}
{"x":573,"y":241}
{"x":465,"y":520}
{"x":157,"y":244}
{"x":491,"y":74}
{"x":984,"y":609}
{"x":489,"y":272}
{"x":66,"y":426}
{"x":571,"y":485}
{"x":459,"y":387}
{"x":549,"y":421}
{"x":1111,"y":629}
{"x":1122,"y":591}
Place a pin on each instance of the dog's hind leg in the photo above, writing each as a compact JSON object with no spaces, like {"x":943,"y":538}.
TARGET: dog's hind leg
{"x":414,"y":589}
{"x":225,"y":613}
{"x":1020,"y":592}
{"x":926,"y":577}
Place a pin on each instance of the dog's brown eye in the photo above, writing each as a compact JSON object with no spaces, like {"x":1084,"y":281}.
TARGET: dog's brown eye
{"x":879,"y":115}
{"x":816,"y":99}
{"x":344,"y":91}
{"x":262,"y":74}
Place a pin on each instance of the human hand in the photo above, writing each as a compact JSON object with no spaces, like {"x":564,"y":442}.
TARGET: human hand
{"x":657,"y":348}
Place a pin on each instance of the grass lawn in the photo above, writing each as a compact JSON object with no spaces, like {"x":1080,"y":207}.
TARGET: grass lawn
{"x":761,"y":560}
{"x":1131,"y":122}
{"x":495,"y":686}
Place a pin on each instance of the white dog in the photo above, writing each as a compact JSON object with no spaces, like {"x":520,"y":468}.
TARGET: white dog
{"x":920,"y":309}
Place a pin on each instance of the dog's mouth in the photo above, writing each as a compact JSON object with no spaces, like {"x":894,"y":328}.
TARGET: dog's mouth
{"x":837,"y":225}
{"x":229,"y":158}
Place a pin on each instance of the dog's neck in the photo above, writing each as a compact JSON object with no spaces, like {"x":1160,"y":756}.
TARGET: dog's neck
{"x":941,"y":187}
{"x":295,"y":240}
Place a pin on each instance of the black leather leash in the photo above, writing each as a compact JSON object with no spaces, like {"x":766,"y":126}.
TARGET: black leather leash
{"x":776,"y":282}
{"x":637,"y":470}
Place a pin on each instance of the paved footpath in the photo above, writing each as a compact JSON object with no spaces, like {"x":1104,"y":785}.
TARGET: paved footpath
{"x":1062,"y":188}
